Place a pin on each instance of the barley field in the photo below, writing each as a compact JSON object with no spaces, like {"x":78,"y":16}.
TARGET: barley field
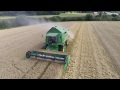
{"x":94,"y":52}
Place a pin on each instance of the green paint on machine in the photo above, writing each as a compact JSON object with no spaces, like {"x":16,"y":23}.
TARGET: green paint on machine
{"x":55,"y":46}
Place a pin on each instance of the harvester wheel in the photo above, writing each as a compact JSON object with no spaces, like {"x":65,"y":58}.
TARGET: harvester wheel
{"x":66,"y":43}
{"x":44,"y":47}
{"x":28,"y":54}
{"x":61,"y":48}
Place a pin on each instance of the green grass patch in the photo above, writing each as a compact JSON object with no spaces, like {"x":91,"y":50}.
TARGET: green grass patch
{"x":7,"y":17}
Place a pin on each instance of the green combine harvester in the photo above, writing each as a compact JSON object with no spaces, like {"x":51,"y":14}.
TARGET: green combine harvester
{"x":55,"y":46}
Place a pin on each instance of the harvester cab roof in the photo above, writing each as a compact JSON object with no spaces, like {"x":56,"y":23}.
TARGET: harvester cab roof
{"x":52,"y":34}
{"x":57,"y":29}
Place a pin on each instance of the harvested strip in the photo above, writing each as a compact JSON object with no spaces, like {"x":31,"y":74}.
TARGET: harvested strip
{"x":37,"y":70}
{"x":55,"y":70}
{"x":14,"y":45}
{"x":43,"y":65}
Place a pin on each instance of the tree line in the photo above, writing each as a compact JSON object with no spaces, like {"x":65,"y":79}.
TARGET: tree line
{"x":14,"y":13}
{"x":24,"y":20}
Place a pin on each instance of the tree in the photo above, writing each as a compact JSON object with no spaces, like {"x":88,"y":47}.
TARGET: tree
{"x":89,"y":17}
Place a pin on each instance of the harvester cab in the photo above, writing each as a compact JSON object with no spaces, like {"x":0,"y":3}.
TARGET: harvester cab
{"x":56,"y":39}
{"x":55,"y":46}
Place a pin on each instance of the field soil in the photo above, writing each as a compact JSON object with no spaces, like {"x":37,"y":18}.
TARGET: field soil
{"x":94,"y":48}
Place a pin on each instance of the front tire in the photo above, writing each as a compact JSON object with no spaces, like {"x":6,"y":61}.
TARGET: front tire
{"x":28,"y":54}
{"x":66,"y":43}
{"x":61,"y":48}
{"x":44,"y":47}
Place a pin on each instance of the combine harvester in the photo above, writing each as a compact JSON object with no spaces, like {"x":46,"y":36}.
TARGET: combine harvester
{"x":55,"y":46}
